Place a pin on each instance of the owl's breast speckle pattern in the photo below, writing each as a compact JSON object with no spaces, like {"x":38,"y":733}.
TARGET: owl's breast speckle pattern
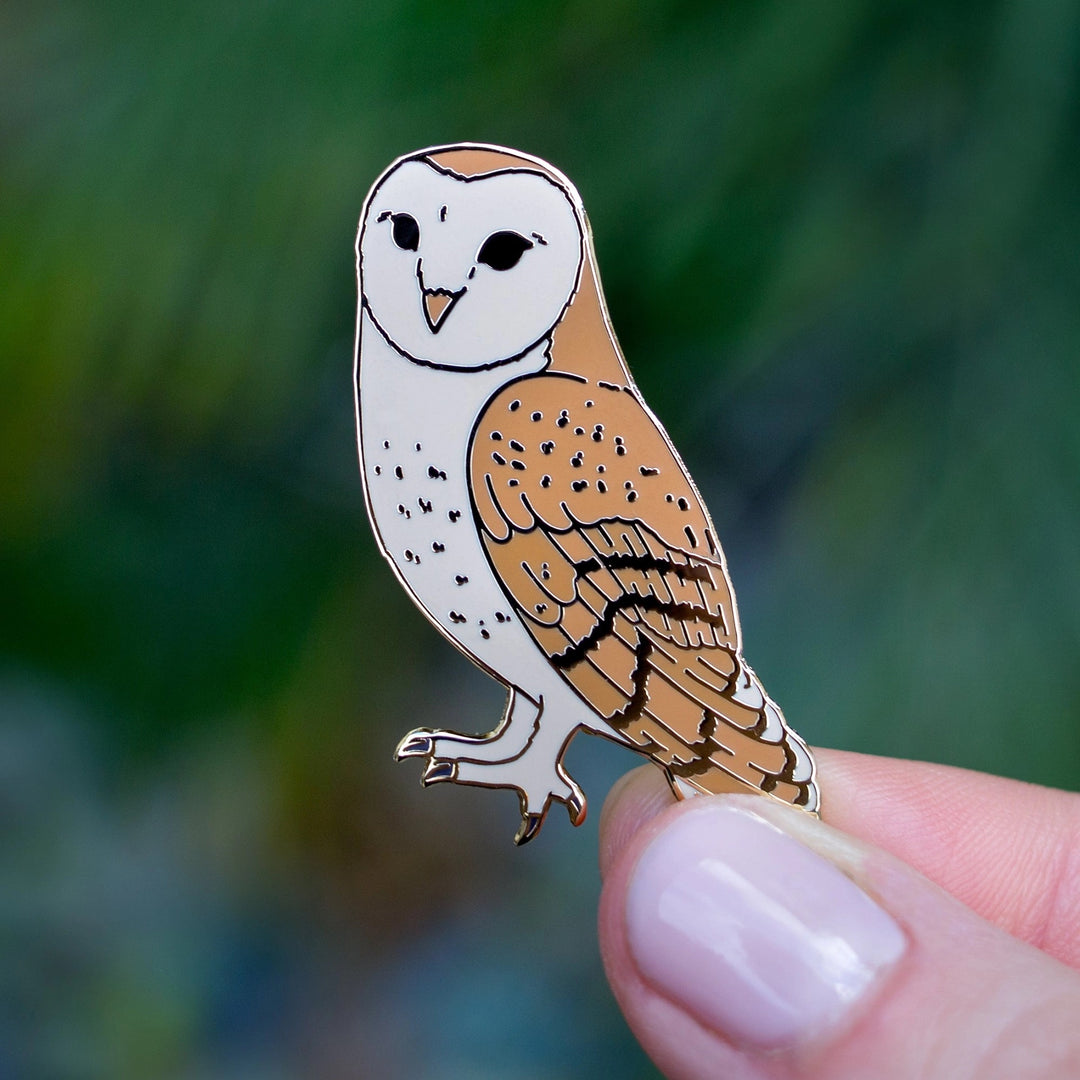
{"x":415,"y":431}
{"x":430,"y":535}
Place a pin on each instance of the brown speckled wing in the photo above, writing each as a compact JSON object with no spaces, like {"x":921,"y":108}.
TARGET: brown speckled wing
{"x":606,"y":551}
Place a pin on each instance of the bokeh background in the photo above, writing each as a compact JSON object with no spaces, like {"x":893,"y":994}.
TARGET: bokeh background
{"x":840,"y":245}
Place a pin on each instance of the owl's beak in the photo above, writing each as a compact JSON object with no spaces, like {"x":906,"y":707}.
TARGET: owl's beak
{"x":437,"y":306}
{"x":438,"y":303}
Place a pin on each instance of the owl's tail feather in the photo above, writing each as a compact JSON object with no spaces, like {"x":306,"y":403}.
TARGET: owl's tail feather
{"x":702,"y":715}
{"x":795,"y":788}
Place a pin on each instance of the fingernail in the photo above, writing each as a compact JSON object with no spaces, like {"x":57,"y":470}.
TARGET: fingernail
{"x":757,"y":936}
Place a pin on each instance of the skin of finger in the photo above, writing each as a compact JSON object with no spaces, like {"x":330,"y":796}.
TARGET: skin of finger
{"x":1008,"y":850}
{"x":965,"y":1001}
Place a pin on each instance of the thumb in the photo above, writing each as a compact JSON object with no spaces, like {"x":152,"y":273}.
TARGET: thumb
{"x":744,"y":939}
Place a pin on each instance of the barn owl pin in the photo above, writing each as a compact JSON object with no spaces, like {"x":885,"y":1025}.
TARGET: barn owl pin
{"x":531,"y":504}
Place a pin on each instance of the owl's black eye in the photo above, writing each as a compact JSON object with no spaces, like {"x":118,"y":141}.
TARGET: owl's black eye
{"x":406,"y":231}
{"x":502,"y":250}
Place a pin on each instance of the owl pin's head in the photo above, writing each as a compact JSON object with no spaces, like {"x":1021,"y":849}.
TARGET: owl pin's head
{"x":469,"y":255}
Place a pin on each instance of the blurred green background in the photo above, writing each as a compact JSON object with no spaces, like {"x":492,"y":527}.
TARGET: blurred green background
{"x":851,"y":228}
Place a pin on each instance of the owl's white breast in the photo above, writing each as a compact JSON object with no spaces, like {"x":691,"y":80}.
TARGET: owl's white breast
{"x":415,"y":426}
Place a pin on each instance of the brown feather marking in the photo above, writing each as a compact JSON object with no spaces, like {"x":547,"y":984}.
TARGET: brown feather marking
{"x":528,"y":597}
{"x":714,"y":670}
{"x":573,"y":545}
{"x":616,"y":660}
{"x":670,"y":705}
{"x":718,"y":782}
{"x":578,"y":621}
{"x":700,"y":680}
{"x":591,"y":597}
{"x":790,"y":793}
{"x":593,"y":683}
{"x":547,"y":566}
{"x":552,"y":639}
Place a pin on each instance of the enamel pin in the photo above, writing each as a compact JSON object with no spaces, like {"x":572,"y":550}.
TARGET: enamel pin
{"x":531,"y":504}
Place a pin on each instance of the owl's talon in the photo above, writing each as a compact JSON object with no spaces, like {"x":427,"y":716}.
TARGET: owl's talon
{"x":438,"y":771}
{"x":530,"y":826}
{"x":577,"y":807}
{"x":415,"y":744}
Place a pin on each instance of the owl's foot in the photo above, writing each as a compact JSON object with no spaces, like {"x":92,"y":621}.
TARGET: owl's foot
{"x":529,"y":827}
{"x":438,"y":771}
{"x":531,"y":821}
{"x":535,"y":802}
{"x":417,"y":743}
{"x":516,"y":731}
{"x":522,"y":753}
{"x":538,"y":781}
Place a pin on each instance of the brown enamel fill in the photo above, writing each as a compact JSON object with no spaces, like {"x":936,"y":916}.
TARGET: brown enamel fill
{"x":436,"y":303}
{"x":474,"y":162}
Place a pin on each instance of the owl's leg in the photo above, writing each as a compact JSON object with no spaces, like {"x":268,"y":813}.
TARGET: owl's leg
{"x":523,"y":753}
{"x":515,"y":730}
{"x":537,"y":774}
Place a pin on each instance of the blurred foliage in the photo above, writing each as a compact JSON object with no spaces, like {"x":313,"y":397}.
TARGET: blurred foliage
{"x":839,"y":243}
